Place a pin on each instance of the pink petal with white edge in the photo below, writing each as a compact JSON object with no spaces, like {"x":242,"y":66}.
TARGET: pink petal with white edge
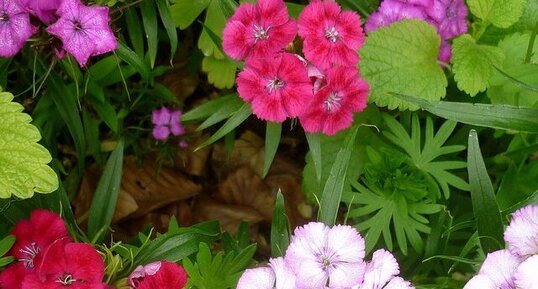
{"x":257,"y":278}
{"x":526,"y":274}
{"x":285,"y":278}
{"x":500,"y":266}
{"x":522,"y":232}
{"x":345,"y":275}
{"x":480,"y":282}
{"x":399,"y":283}
{"x":380,"y":270}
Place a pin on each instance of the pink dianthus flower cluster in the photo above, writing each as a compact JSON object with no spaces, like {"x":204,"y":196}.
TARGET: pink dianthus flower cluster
{"x":46,"y":257}
{"x":516,"y":266}
{"x":83,"y":30}
{"x":167,"y":122}
{"x":447,"y":16}
{"x":320,"y":257}
{"x":323,"y":88}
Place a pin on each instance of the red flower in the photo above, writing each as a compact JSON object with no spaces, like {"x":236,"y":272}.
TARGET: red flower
{"x":278,"y":86}
{"x":158,"y":275}
{"x":333,"y":105}
{"x":258,"y":30}
{"x":330,"y":36}
{"x":68,"y":266}
{"x":33,"y":237}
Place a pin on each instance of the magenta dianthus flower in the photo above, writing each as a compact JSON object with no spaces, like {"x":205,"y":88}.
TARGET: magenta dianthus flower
{"x":45,"y":10}
{"x":333,"y":105}
{"x":321,"y":256}
{"x":449,"y":17}
{"x":258,"y":30}
{"x":277,"y":87}
{"x":522,"y":233}
{"x":84,"y":30}
{"x":166,"y":122}
{"x":277,"y":276}
{"x":445,"y":52}
{"x":158,"y":275}
{"x":15,"y":27}
{"x":391,"y":11}
{"x":330,"y":36}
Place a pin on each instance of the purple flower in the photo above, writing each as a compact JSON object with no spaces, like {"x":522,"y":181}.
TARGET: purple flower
{"x":277,"y":276}
{"x":499,"y":268}
{"x":166,"y":122}
{"x":321,"y":256}
{"x":392,"y":11}
{"x":526,"y":273}
{"x":381,"y":273}
{"x":522,"y":233}
{"x":449,"y":17}
{"x":445,"y":52}
{"x":423,"y":3}
{"x":45,"y":10}
{"x":15,"y":27}
{"x":85,"y":31}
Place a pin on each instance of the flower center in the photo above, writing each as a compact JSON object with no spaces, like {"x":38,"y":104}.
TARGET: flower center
{"x":30,"y":252}
{"x":66,"y":279}
{"x":4,"y":16}
{"x":333,"y":101}
{"x":261,"y":33}
{"x":275,"y":84}
{"x":77,"y":25}
{"x":331,"y":34}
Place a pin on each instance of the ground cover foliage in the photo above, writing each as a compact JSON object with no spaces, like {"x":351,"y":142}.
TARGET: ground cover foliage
{"x":224,"y":144}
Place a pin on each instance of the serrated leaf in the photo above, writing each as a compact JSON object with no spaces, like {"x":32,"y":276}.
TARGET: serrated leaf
{"x":501,"y":13}
{"x":474,"y":64}
{"x":485,"y":207}
{"x":23,"y":162}
{"x":184,"y":12}
{"x":402,"y":58}
{"x":220,"y":72}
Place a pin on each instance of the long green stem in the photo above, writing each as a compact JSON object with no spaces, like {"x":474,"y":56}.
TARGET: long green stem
{"x":530,"y":48}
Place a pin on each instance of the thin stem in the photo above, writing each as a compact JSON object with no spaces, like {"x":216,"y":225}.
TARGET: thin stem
{"x":530,"y":48}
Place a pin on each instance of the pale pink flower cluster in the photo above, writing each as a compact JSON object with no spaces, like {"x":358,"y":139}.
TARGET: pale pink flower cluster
{"x":517,"y":266}
{"x":323,"y":88}
{"x":320,"y":257}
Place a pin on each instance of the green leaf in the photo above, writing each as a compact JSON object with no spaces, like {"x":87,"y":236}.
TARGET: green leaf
{"x":402,"y":58}
{"x":220,"y":72}
{"x":234,"y":121}
{"x":272,"y":140}
{"x":314,"y":144}
{"x":134,"y":29}
{"x":215,"y":22}
{"x":487,"y":115}
{"x":184,"y":12}
{"x":280,"y":233}
{"x":517,"y":85}
{"x":501,"y":13}
{"x":168,"y":22}
{"x":6,"y":261}
{"x":129,"y":56}
{"x":332,"y":191}
{"x":106,"y":195}
{"x":485,"y":208}
{"x":149,"y":18}
{"x":6,"y":243}
{"x":211,"y":107}
{"x":23,"y":162}
{"x":474,"y":64}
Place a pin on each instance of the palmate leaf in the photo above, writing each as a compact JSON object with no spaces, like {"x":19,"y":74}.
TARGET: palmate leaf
{"x":423,"y":155}
{"x":387,"y":213}
{"x":23,"y":162}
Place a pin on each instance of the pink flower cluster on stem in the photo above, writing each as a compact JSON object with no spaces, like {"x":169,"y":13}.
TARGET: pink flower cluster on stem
{"x":167,"y":122}
{"x":516,"y":266}
{"x":447,"y":16}
{"x":320,"y":257}
{"x":323,"y":89}
{"x":84,"y":30}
